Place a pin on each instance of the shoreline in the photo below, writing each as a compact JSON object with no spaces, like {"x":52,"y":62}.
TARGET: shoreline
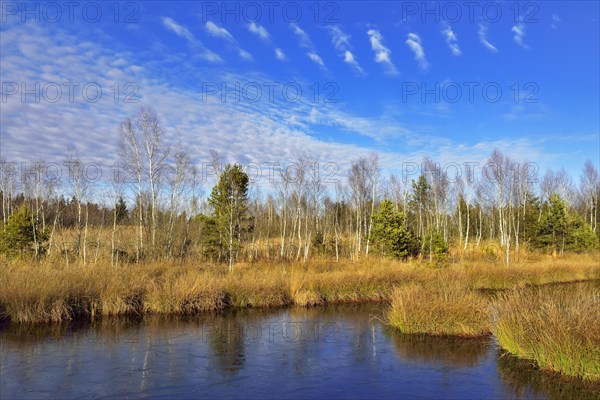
{"x":555,"y":327}
{"x":53,"y":293}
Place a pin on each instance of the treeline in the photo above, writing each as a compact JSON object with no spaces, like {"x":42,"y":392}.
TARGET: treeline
{"x":161,"y":211}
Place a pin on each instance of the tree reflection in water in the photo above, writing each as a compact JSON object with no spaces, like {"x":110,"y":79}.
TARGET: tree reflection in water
{"x":445,"y":351}
{"x":335,"y":351}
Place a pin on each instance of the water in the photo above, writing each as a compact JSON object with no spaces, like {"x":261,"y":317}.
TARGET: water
{"x":328,"y":352}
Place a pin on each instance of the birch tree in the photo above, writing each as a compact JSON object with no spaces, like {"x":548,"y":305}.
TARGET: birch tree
{"x":590,"y":189}
{"x":78,"y":187}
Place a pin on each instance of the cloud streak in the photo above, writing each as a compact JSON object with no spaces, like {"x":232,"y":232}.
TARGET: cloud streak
{"x":280,"y":55}
{"x":555,"y":21}
{"x":262,"y":132}
{"x":259,"y":31}
{"x":185,"y":33}
{"x":414,"y":43}
{"x":317,"y":59}
{"x":341,"y":42}
{"x":306,"y":43}
{"x":264,"y":35}
{"x":222,"y":33}
{"x":382,"y":53}
{"x":519,"y":34}
{"x":452,"y":40}
{"x":482,"y":32}
{"x":303,"y":38}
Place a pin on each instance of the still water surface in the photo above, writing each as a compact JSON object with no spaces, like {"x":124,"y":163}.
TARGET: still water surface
{"x":330,"y":352}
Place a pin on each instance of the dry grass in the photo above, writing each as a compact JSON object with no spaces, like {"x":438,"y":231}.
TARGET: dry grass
{"x":546,"y":270}
{"x":442,"y":307}
{"x":53,"y":292}
{"x":558,"y":328}
{"x":38,"y":293}
{"x":184,"y":291}
{"x":351,"y":283}
{"x":258,"y":288}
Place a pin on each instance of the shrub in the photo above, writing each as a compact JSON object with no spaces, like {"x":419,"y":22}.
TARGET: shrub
{"x":22,"y":235}
{"x":435,"y":247}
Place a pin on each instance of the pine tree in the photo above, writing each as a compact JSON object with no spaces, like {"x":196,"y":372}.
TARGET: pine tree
{"x":390,"y":236}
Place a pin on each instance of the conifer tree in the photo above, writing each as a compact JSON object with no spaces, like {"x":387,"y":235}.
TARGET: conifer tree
{"x":390,"y":236}
{"x":22,"y":234}
{"x":229,"y":201}
{"x":121,"y":212}
{"x":553,"y":226}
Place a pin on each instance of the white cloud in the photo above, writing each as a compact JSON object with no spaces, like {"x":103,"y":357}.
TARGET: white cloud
{"x":259,"y":30}
{"x":452,"y":40}
{"x":317,"y":59}
{"x":178,"y":29}
{"x":482,"y":32}
{"x":305,"y":42}
{"x":279,"y":54}
{"x":217,"y":31}
{"x":185,"y":33}
{"x":382,"y":53}
{"x":245,"y":55}
{"x":267,"y":131}
{"x":341,"y":42}
{"x":265,"y":36}
{"x":211,"y":57}
{"x":349,"y":59}
{"x":555,"y":21}
{"x":222,"y":33}
{"x":414,"y":42}
{"x":303,"y":38}
{"x":519,"y":34}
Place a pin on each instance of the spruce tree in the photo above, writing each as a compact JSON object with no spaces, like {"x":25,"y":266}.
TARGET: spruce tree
{"x":229,"y":201}
{"x":553,"y":226}
{"x":121,"y":210}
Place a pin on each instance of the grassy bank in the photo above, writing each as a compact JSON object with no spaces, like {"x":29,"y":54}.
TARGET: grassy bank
{"x":558,"y":329}
{"x":45,"y":292}
{"x":440,"y":307}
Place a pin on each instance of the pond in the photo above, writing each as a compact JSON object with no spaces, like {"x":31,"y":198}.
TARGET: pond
{"x":330,"y":352}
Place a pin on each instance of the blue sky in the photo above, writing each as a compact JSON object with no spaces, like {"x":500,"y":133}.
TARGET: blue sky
{"x":371,"y":61}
